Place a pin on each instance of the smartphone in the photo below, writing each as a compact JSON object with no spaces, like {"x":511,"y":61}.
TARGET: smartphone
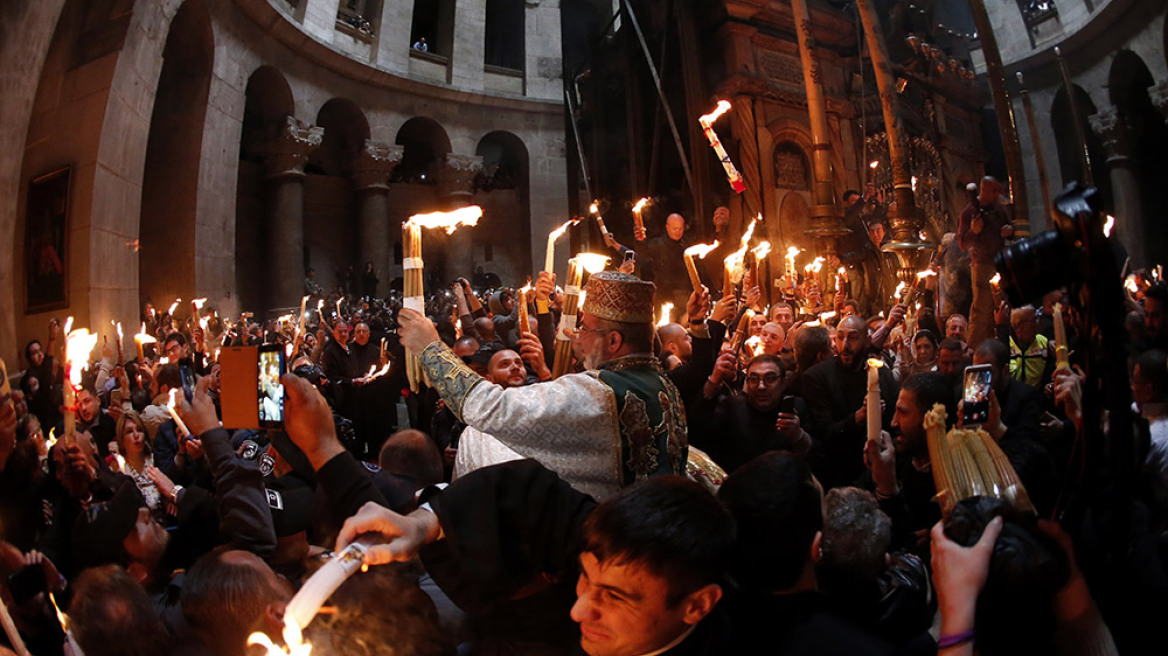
{"x":976,"y":397}
{"x":787,"y":405}
{"x":269,"y":388}
{"x":187,"y":371}
{"x":26,"y":583}
{"x":631,"y":256}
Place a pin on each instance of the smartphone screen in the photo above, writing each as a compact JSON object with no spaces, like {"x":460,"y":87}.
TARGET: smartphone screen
{"x":187,"y":371}
{"x":976,"y":397}
{"x":270,"y":390}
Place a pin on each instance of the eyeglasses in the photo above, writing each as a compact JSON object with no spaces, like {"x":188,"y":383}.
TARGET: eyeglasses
{"x":578,"y":332}
{"x":769,"y":379}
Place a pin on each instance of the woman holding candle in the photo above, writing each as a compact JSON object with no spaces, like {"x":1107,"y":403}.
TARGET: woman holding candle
{"x":138,"y":458}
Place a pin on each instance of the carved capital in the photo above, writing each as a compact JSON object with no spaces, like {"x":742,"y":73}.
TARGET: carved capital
{"x":1111,"y":127}
{"x":374,"y":163}
{"x":458,"y":173}
{"x":288,"y":152}
{"x":1159,"y":94}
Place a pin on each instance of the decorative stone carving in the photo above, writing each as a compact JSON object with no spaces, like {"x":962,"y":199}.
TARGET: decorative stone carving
{"x":288,"y":152}
{"x":457,"y":175}
{"x":374,"y":163}
{"x":1112,"y":128}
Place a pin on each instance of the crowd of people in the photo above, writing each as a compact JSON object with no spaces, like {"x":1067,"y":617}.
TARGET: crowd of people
{"x":698,"y":483}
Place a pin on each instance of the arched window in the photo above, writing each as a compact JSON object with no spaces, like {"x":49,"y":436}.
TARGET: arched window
{"x":792,"y":170}
{"x":424,"y":144}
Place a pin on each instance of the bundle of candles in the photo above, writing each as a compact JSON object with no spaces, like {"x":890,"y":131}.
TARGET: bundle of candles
{"x":78,"y":345}
{"x":967,"y":463}
{"x":592,"y":263}
{"x":412,"y":281}
{"x":707,"y":123}
{"x":638,"y":222}
{"x":735,"y":263}
{"x":742,"y":329}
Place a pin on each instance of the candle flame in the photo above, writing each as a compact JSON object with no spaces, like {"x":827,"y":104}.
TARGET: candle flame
{"x":449,"y":221}
{"x":873,"y":164}
{"x":174,"y":306}
{"x":594,"y":208}
{"x":640,"y":205}
{"x":121,"y":462}
{"x":68,"y":325}
{"x":927,"y":273}
{"x":144,"y":337}
{"x":914,"y":183}
{"x":559,"y":232}
{"x":592,"y":262}
{"x":173,"y":402}
{"x":284,"y":318}
{"x":816,"y":265}
{"x":762,"y":250}
{"x":216,"y":355}
{"x":1131,"y":285}
{"x":118,"y":325}
{"x":663,"y":318}
{"x":708,"y":119}
{"x":875,"y":362}
{"x":203,"y":321}
{"x":583,"y":295}
{"x":899,"y":288}
{"x":78,"y":345}
{"x":996,"y":280}
{"x":61,"y":617}
{"x":1108,"y":225}
{"x":824,"y":316}
{"x":701,"y":250}
{"x":736,"y":259}
{"x":792,"y":253}
{"x":755,"y":345}
{"x":164,"y":360}
{"x":199,"y":302}
{"x":52,"y":441}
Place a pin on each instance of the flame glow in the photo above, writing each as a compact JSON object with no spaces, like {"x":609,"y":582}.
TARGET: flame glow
{"x":899,"y":288}
{"x":755,"y":345}
{"x":875,"y":362}
{"x":873,"y":164}
{"x":1108,"y":225}
{"x":594,"y":208}
{"x":174,"y":306}
{"x":78,"y":345}
{"x":284,"y":318}
{"x":701,"y":250}
{"x":68,"y":325}
{"x":173,"y":402}
{"x":736,"y":259}
{"x":996,"y":280}
{"x":198,"y":303}
{"x":592,"y":262}
{"x":52,"y":441}
{"x":816,"y":266}
{"x":448,"y":221}
{"x":663,"y":318}
{"x":792,"y":253}
{"x":762,"y":250}
{"x":559,"y":232}
{"x":640,"y":205}
{"x":708,"y":119}
{"x":1130,"y":284}
{"x":927,"y":273}
{"x":61,"y":617}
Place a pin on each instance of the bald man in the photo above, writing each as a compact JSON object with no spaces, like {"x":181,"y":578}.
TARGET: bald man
{"x":676,"y":345}
{"x":665,"y":265}
{"x":835,"y":391}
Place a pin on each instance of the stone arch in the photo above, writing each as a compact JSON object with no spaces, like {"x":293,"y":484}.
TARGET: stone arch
{"x":345,"y":132}
{"x":170,"y":181}
{"x":1062,"y":123}
{"x":267,"y":100}
{"x":502,"y":189}
{"x":1137,"y":149}
{"x":424,"y":142}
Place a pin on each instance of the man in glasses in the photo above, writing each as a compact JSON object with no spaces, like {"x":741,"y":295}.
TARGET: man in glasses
{"x":619,"y":421}
{"x":759,"y":418}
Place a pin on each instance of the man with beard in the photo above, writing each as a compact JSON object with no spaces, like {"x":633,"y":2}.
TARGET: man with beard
{"x":620,"y":421}
{"x":477,"y":449}
{"x":901,"y":471}
{"x":835,"y":391}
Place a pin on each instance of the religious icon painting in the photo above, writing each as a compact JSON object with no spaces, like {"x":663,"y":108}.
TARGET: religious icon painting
{"x":46,"y":257}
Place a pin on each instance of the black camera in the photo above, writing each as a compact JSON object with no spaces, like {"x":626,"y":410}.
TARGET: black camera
{"x":1059,"y":257}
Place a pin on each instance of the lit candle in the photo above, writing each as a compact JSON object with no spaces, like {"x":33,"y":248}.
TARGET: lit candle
{"x":666,"y":310}
{"x":121,"y":336}
{"x":792,"y":253}
{"x":1062,"y":355}
{"x":707,"y":123}
{"x":174,"y":413}
{"x":173,"y":307}
{"x":760,"y":253}
{"x":521,"y":301}
{"x":873,"y":400}
{"x":638,"y":222}
{"x":840,"y":277}
{"x":736,"y":261}
{"x":196,"y":305}
{"x":300,"y":323}
{"x":549,"y":263}
{"x":701,"y":251}
{"x":563,"y":356}
{"x":140,"y":341}
{"x":594,"y":210}
{"x":78,"y":345}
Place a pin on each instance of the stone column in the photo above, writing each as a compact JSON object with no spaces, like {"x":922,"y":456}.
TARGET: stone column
{"x":284,"y":165}
{"x":371,"y":172}
{"x":320,"y":18}
{"x":542,"y":50}
{"x":469,"y":47}
{"x":456,"y":189}
{"x":393,"y":36}
{"x":1125,"y":184}
{"x":1159,"y":95}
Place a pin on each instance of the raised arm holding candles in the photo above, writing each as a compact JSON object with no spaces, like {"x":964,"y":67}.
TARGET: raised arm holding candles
{"x":707,"y":123}
{"x":412,"y":284}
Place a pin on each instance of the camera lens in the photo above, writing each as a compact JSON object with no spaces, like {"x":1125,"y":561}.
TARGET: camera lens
{"x":1032,"y":267}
